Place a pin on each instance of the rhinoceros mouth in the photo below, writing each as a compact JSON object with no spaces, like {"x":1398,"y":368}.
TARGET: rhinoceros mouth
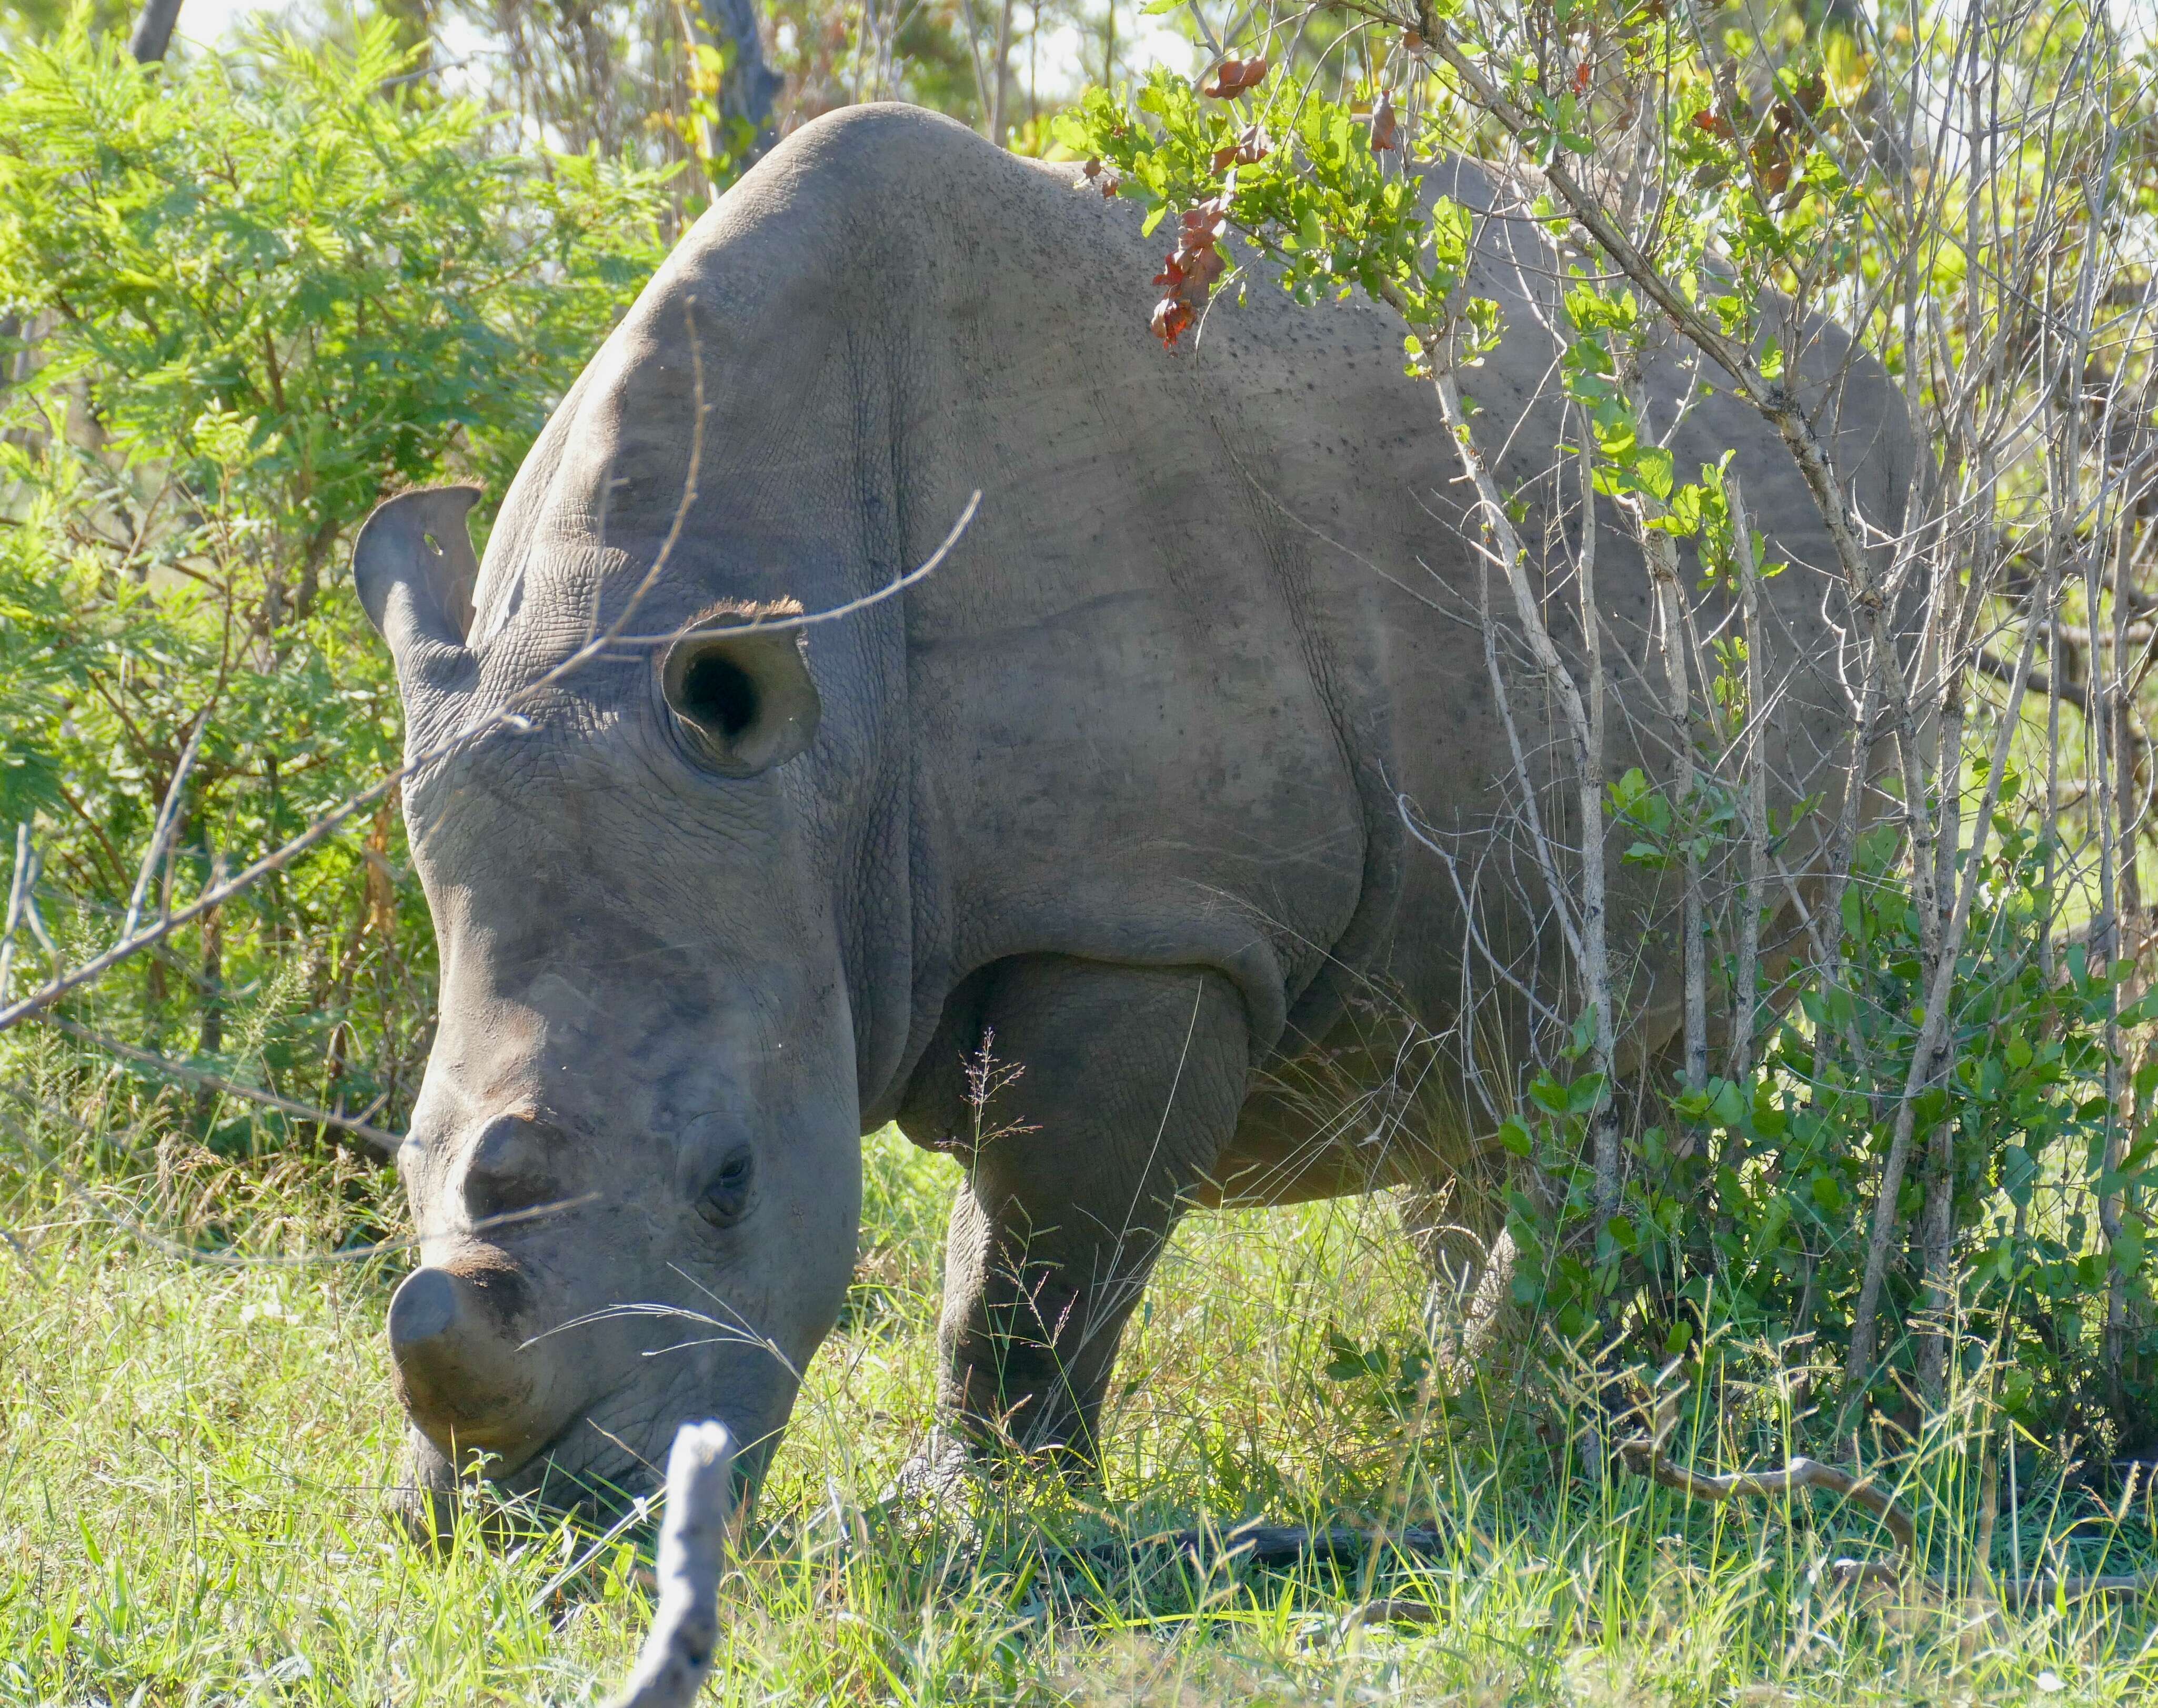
{"x":614,"y":1484}
{"x":555,"y":1482}
{"x":584,"y":1466}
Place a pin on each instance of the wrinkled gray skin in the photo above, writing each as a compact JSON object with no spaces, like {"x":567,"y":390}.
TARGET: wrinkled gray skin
{"x":1117,"y":784}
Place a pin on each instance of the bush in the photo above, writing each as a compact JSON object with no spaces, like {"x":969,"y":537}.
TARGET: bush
{"x":245,"y":306}
{"x":1940,"y":1150}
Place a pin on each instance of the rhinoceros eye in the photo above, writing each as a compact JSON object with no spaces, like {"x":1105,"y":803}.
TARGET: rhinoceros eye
{"x":724,"y":1200}
{"x":742,"y":700}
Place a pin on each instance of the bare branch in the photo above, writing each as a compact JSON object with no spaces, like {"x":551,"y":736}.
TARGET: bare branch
{"x":384,"y":1144}
{"x":2000,"y":670}
{"x":1746,"y":977}
{"x":1660,"y":553}
{"x":168,"y":821}
{"x":16,"y":887}
{"x":1644,"y":1457}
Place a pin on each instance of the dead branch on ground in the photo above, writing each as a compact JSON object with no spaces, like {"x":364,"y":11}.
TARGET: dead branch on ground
{"x":1645,"y":1456}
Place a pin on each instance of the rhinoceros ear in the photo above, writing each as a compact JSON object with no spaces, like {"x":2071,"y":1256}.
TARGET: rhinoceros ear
{"x":414,"y":568}
{"x":742,"y":699}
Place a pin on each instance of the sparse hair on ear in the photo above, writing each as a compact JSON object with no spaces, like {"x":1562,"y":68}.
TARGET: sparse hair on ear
{"x":729,"y":613}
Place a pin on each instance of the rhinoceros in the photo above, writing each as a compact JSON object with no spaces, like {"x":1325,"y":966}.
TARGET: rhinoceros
{"x":1130,"y":794}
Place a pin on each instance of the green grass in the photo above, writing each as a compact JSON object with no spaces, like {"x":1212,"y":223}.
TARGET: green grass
{"x":192,"y":1459}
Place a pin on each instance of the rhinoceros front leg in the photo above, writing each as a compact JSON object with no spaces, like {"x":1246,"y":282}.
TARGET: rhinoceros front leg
{"x":1119,"y":1090}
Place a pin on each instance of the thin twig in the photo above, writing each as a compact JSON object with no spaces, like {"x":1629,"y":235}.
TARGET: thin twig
{"x":1744,"y":993}
{"x":17,"y":885}
{"x":506,"y":716}
{"x":384,"y":1143}
{"x":1659,"y":552}
{"x":168,"y":819}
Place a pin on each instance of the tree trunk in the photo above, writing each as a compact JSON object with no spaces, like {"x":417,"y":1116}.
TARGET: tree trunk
{"x":997,"y":102}
{"x":751,"y":85}
{"x":154,"y":30}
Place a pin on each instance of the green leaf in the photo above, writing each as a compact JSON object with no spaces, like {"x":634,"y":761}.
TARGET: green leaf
{"x":1549,"y":1094}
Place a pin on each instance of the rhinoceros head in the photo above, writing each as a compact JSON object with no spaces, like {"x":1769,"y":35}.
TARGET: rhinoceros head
{"x":634,"y":1163}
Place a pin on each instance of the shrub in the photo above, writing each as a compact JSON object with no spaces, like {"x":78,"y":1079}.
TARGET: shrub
{"x":246,"y":304}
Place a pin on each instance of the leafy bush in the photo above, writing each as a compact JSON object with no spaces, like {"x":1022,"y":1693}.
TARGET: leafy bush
{"x":1940,"y":1149}
{"x":1784,"y":1162}
{"x":245,"y":308}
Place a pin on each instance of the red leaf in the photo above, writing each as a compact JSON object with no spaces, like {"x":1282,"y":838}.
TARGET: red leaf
{"x":1249,"y":148}
{"x":1189,"y":270}
{"x":1095,"y":173}
{"x":1232,"y":77}
{"x":1170,"y":319}
{"x":1385,"y":130}
{"x":1581,"y":78}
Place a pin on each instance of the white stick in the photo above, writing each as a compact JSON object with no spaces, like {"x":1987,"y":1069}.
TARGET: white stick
{"x":1746,"y":1008}
{"x":692,"y":1546}
{"x":167,"y":815}
{"x":15,"y":890}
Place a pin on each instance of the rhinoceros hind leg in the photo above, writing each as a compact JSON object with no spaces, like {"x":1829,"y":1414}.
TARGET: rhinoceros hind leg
{"x":1115,"y":1090}
{"x":1469,"y":1310}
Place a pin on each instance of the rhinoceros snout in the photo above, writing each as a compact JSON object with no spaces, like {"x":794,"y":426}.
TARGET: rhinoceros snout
{"x":463,"y":1370}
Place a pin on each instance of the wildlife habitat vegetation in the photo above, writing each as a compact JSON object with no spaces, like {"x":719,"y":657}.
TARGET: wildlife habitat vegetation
{"x":1875,"y":1232}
